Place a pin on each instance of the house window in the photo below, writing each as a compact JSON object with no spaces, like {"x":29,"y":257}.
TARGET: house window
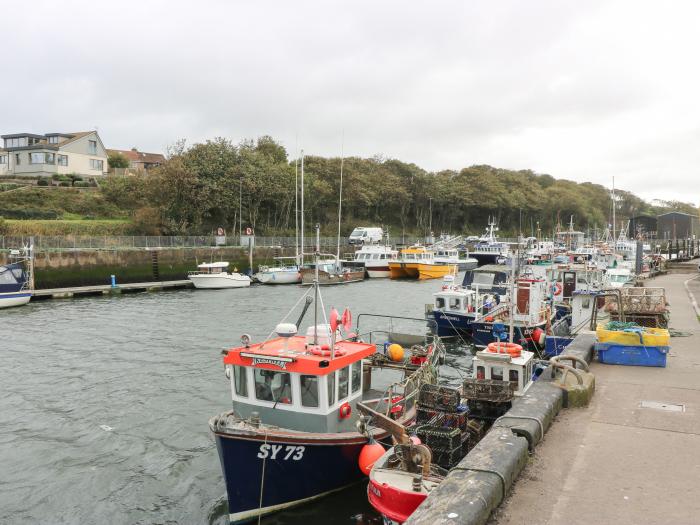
{"x":3,"y":159}
{"x":309,"y":391}
{"x":96,"y":164}
{"x":17,"y":142}
{"x":63,"y":160}
{"x":92,"y":146}
{"x":240,"y":380}
{"x":53,"y":140}
{"x":17,"y":159}
{"x":36,"y":158}
{"x":50,"y":158}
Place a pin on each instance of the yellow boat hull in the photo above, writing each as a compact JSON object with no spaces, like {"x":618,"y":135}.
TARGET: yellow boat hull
{"x":435,"y":271}
{"x":399,"y":270}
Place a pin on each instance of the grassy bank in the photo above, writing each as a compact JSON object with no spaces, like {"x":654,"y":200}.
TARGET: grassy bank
{"x":17,"y":227}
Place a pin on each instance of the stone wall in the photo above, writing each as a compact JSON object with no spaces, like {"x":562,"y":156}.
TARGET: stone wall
{"x":90,"y":267}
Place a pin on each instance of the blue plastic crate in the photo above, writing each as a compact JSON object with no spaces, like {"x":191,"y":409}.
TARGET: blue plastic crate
{"x":617,"y":354}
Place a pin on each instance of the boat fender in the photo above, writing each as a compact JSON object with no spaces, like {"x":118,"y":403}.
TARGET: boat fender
{"x":345,"y":410}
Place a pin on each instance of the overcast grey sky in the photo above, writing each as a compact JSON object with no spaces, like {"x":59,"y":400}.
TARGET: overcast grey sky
{"x":579,"y":90}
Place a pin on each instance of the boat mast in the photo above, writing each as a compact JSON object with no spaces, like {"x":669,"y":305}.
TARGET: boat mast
{"x":613,"y":212}
{"x":316,"y":290}
{"x":301,"y":234}
{"x":340,"y":199}
{"x":296,"y":209}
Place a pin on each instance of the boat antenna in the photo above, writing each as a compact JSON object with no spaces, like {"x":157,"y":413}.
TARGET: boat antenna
{"x":340,"y":198}
{"x":301,"y":231}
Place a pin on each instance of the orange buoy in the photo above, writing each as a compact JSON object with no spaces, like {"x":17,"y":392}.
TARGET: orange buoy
{"x":395,"y":352}
{"x":500,"y":347}
{"x":369,"y":455}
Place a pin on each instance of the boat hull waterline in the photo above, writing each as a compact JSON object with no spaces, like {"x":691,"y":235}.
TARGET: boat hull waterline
{"x":11,"y":299}
{"x":218,"y":282}
{"x":295,"y":470}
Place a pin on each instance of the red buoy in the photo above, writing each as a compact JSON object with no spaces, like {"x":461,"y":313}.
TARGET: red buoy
{"x":369,"y":455}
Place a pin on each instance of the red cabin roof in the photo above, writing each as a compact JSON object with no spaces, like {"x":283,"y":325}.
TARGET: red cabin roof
{"x":293,"y":355}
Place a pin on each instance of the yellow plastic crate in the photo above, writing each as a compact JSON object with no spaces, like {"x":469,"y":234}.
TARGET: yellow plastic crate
{"x":650,"y":337}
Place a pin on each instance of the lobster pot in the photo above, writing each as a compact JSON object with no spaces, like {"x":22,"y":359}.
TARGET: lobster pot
{"x":439,"y":438}
{"x":429,"y":416}
{"x":488,"y":410}
{"x":488,"y":390}
{"x":440,"y":398}
{"x":449,"y":458}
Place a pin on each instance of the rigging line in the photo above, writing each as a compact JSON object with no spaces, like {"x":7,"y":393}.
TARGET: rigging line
{"x":288,"y":314}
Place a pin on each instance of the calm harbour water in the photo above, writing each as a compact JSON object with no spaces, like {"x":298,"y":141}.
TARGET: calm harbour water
{"x":106,"y":400}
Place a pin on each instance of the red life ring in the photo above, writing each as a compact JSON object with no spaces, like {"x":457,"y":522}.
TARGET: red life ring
{"x":325,"y":351}
{"x":501,"y":347}
{"x":249,"y":231}
{"x":345,"y":410}
{"x":556,"y":288}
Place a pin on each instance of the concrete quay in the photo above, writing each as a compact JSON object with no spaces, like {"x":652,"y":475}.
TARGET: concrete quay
{"x":633,"y":455}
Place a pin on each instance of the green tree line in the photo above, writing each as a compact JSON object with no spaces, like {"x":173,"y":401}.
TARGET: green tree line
{"x":207,"y":185}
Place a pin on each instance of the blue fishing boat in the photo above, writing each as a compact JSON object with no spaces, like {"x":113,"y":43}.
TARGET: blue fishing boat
{"x":293,"y":434}
{"x":16,"y":282}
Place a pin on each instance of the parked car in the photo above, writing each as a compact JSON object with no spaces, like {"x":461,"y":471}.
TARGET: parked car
{"x":366,"y":235}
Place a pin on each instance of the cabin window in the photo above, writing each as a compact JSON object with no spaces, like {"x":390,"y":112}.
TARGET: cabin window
{"x":480,"y":372}
{"x":356,"y":376}
{"x":513,"y":377}
{"x":273,"y":386}
{"x":455,"y":303}
{"x":309,"y":391}
{"x":343,"y":382}
{"x":497,"y":373}
{"x":439,"y":302}
{"x":331,"y":388}
{"x":240,"y":380}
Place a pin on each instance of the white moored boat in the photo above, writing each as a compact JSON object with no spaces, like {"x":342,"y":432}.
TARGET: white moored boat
{"x":16,"y":279}
{"x":280,"y":273}
{"x":375,"y":259}
{"x":214,"y":276}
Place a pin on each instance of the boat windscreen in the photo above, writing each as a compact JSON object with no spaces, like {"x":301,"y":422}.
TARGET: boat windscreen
{"x":483,"y":279}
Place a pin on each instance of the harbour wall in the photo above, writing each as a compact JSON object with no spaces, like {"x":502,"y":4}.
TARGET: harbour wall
{"x":484,"y":478}
{"x":93,"y":267}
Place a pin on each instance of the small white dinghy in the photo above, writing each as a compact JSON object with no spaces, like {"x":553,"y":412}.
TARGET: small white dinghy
{"x":215,"y":276}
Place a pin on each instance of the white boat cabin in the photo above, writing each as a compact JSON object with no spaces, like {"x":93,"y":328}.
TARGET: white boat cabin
{"x":368,"y":254}
{"x":212,"y":268}
{"x":517,"y":369}
{"x":463,"y":301}
{"x":294,"y":384}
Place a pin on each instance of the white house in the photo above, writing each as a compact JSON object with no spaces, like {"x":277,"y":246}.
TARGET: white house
{"x":27,"y":154}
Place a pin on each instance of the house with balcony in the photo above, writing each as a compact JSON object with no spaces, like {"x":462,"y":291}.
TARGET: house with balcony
{"x":28,"y":154}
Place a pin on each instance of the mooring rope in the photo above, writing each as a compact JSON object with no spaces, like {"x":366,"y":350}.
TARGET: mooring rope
{"x":262,"y":482}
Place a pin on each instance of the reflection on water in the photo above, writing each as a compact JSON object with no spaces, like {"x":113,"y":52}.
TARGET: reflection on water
{"x":106,"y":401}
